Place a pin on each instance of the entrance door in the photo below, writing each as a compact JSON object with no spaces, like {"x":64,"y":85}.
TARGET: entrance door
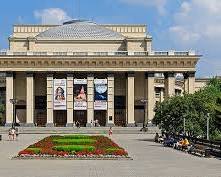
{"x":101,"y":116}
{"x":119,"y":117}
{"x":81,"y":117}
{"x":40,"y":117}
{"x":60,"y":118}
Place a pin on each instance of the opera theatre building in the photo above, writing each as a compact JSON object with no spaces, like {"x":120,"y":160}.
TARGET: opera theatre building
{"x":82,"y":71}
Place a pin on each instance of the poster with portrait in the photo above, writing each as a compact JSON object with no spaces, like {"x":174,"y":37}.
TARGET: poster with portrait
{"x":100,"y":94}
{"x":80,"y":94}
{"x":59,"y":95}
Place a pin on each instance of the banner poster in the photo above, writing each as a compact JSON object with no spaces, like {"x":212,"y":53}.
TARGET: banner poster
{"x":100,"y":94}
{"x":80,"y":94}
{"x":59,"y":96}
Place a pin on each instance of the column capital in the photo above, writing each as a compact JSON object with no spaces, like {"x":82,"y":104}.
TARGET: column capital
{"x":130,"y":74}
{"x":149,"y":74}
{"x":50,"y":74}
{"x":110,"y":74}
{"x":9,"y":74}
{"x":186,"y":75}
{"x":30,"y":74}
{"x":169,"y":74}
{"x":90,"y":75}
{"x":70,"y":74}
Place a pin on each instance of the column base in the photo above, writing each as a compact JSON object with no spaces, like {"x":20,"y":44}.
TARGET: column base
{"x":49,"y":124}
{"x":8,"y":124}
{"x":28,"y":125}
{"x":110,"y":125}
{"x":69,"y":125}
{"x":88,"y":125}
{"x":139,"y":124}
{"x":130,"y":125}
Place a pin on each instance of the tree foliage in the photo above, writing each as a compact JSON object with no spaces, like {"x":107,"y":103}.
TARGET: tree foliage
{"x":194,"y":109}
{"x":2,"y":110}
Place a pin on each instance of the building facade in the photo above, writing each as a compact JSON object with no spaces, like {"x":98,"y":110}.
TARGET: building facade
{"x":82,"y":71}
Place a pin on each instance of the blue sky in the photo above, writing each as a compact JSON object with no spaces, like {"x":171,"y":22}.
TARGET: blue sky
{"x":174,"y":25}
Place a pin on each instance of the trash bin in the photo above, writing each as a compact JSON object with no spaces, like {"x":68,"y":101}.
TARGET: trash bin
{"x":207,"y":152}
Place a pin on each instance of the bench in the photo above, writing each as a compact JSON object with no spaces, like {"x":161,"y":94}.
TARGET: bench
{"x":198,"y":150}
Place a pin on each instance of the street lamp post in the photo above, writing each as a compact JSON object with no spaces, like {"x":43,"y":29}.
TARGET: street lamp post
{"x":13,"y":102}
{"x":207,"y":126}
{"x":184,"y":124}
{"x":144,"y":101}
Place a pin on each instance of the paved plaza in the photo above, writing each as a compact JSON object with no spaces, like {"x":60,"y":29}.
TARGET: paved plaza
{"x":149,"y":160}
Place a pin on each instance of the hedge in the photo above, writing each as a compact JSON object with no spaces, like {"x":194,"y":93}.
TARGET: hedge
{"x":73,"y":141}
{"x":75,"y":148}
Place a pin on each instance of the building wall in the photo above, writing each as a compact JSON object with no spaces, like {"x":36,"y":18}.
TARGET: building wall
{"x":136,"y":45}
{"x":40,"y":84}
{"x":200,"y":83}
{"x":120,"y":84}
{"x":138,"y":96}
{"x":20,"y":95}
{"x":19,"y":46}
{"x":22,"y":34}
{"x":20,"y":86}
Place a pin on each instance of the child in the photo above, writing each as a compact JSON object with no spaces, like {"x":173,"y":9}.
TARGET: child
{"x":110,"y":131}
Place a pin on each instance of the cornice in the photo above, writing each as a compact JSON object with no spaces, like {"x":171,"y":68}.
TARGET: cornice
{"x":98,"y":63}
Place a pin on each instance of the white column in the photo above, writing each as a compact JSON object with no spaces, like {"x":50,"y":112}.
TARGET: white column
{"x":189,"y":82}
{"x":70,"y":98}
{"x":9,"y":95}
{"x":169,"y":84}
{"x":130,"y":99}
{"x":50,"y":118}
{"x":150,"y":96}
{"x":110,"y":103}
{"x":90,"y":99}
{"x":30,"y":103}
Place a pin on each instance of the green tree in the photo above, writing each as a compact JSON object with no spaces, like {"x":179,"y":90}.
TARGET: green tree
{"x":2,"y":110}
{"x":194,"y":108}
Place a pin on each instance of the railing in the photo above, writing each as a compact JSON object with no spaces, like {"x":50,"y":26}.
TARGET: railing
{"x":103,"y":53}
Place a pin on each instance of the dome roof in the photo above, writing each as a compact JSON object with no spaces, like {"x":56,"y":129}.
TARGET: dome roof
{"x":80,"y":30}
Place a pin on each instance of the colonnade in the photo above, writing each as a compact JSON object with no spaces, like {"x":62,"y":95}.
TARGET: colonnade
{"x":189,"y":80}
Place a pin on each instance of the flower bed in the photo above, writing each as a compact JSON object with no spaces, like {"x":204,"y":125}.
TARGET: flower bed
{"x":74,"y":147}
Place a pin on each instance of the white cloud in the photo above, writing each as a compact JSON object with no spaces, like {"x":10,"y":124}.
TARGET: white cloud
{"x":196,"y":20}
{"x":51,"y":16}
{"x":158,"y":4}
{"x":197,"y":25}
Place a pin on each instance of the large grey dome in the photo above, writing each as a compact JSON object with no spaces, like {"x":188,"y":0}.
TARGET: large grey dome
{"x":80,"y":30}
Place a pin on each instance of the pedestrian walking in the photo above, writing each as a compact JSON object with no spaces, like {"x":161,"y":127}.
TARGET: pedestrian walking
{"x":110,"y":132}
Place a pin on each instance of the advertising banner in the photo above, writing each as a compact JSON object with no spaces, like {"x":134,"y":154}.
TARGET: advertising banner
{"x":100,"y":94}
{"x":80,"y":94}
{"x":60,"y":95}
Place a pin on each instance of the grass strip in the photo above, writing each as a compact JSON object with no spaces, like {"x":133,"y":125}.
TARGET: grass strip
{"x":73,"y":141}
{"x":75,"y":148}
{"x":35,"y":150}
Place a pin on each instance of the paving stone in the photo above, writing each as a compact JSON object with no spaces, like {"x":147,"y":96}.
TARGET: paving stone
{"x":150,"y":160}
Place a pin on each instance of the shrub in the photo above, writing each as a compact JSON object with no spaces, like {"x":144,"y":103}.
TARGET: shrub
{"x":74,"y":141}
{"x":73,"y":137}
{"x":26,"y":152}
{"x":110,"y":149}
{"x":71,"y":148}
{"x":35,"y":150}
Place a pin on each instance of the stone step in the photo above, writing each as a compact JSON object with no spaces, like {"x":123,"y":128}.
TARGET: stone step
{"x":82,"y":130}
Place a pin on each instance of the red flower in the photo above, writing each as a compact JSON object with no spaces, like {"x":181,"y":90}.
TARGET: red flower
{"x":26,"y":152}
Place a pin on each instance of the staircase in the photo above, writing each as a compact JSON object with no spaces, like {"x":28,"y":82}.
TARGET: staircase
{"x":82,"y":130}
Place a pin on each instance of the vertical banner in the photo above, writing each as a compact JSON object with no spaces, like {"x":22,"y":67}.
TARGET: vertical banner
{"x":59,"y":96}
{"x":80,"y":94}
{"x":100,"y":94}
